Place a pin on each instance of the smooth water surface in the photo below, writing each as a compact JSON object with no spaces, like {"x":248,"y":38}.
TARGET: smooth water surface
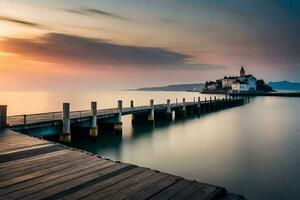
{"x":252,"y":150}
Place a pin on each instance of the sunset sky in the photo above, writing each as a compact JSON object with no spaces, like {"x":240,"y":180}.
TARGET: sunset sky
{"x":118,"y":44}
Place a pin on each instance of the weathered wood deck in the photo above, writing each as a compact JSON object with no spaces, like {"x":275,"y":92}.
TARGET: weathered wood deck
{"x":31,"y":168}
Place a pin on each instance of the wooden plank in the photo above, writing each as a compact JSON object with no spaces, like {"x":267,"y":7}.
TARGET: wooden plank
{"x":125,"y":193}
{"x":187,"y":192}
{"x":121,"y":185}
{"x":15,"y":143}
{"x":41,"y":166}
{"x":67,"y":170}
{"x":29,"y":153}
{"x":35,"y":169}
{"x":87,"y":190}
{"x":42,"y":191}
{"x":4,"y":151}
{"x":32,"y":164}
{"x":41,"y":172}
{"x":155,"y":188}
{"x":25,"y":148}
{"x":25,"y":161}
{"x":172,"y":190}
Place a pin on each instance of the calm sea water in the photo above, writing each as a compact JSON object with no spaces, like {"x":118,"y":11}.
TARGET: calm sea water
{"x":252,"y":150}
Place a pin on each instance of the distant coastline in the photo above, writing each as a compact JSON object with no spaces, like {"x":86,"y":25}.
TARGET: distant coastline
{"x":284,"y":85}
{"x":196,"y":87}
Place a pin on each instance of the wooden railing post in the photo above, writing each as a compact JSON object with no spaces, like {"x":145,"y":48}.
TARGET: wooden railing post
{"x":94,"y":128}
{"x":66,"y":132}
{"x":151,"y":115}
{"x":199,"y":105}
{"x":131,"y":104}
{"x":120,"y":108}
{"x":169,"y":106}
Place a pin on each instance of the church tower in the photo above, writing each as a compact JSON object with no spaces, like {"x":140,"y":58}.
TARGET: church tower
{"x":242,"y":72}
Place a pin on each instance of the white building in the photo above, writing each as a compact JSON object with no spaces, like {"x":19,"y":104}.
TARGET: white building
{"x":244,"y":83}
{"x":228,"y":81}
{"x":240,"y":86}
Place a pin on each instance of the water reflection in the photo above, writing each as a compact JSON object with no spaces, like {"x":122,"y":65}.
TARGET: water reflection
{"x":253,"y":149}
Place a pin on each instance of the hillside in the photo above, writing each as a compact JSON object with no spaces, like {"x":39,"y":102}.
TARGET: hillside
{"x":284,"y":85}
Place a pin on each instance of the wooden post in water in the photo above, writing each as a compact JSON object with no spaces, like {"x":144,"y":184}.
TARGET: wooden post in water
{"x":215,"y":104}
{"x":209,"y":105}
{"x":94,"y":127}
{"x":199,"y":106}
{"x":118,"y":123}
{"x":204,"y":107}
{"x":151,"y":114}
{"x":131,"y":104}
{"x":66,"y":132}
{"x":169,"y":106}
{"x":183,"y":105}
{"x":3,"y":116}
{"x":169,"y":110}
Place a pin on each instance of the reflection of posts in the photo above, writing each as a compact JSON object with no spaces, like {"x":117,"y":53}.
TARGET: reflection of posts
{"x":94,"y":127}
{"x":3,"y":116}
{"x":66,"y":133}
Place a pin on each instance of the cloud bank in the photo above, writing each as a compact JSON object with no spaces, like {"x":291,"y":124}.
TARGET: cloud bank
{"x":20,"y":22}
{"x":93,"y":11}
{"x":63,"y":48}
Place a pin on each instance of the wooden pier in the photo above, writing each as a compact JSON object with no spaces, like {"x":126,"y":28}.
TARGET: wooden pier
{"x":31,"y":168}
{"x":113,"y":115}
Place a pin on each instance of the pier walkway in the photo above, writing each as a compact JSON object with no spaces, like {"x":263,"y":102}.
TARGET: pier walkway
{"x":31,"y":168}
{"x":21,"y":122}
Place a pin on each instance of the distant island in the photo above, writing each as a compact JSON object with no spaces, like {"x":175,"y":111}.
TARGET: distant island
{"x":196,"y":87}
{"x":284,"y":85}
{"x":244,"y":83}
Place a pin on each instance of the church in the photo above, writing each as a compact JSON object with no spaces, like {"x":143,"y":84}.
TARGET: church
{"x":244,"y":83}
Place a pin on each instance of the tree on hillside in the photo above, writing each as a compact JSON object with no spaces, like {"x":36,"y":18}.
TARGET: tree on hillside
{"x":261,"y":86}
